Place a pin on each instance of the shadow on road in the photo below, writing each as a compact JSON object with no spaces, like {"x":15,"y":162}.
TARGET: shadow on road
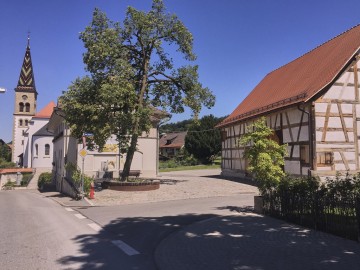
{"x":244,"y":241}
{"x":247,"y":181}
{"x":255,"y":242}
{"x":142,"y":233}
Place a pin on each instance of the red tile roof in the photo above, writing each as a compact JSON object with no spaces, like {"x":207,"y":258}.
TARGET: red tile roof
{"x":173,"y":140}
{"x":46,"y":111}
{"x":301,"y":79}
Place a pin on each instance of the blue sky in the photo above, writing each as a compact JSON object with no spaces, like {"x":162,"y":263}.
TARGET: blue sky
{"x":237,"y":41}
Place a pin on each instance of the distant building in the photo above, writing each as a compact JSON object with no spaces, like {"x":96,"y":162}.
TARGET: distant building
{"x":172,"y":143}
{"x":99,"y":164}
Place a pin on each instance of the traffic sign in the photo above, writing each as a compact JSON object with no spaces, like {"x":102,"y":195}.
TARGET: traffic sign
{"x":83,"y":153}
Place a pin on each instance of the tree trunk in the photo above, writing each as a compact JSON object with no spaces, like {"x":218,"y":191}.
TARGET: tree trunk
{"x":135,"y":131}
{"x":129,"y":157}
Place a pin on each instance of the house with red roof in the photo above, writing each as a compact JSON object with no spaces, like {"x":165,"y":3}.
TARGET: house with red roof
{"x":313,"y":106}
{"x":171,"y":143}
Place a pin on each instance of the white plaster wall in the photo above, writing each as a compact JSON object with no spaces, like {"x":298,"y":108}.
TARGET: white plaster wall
{"x":296,"y":151}
{"x":145,"y":158}
{"x":292,"y":167}
{"x":18,"y":137}
{"x":305,"y":170}
{"x":41,"y":160}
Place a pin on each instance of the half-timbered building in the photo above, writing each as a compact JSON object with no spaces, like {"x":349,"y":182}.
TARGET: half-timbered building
{"x":313,"y":106}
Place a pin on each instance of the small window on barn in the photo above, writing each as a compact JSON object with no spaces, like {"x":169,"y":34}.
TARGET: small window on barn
{"x":304,"y":154}
{"x":324,"y":158}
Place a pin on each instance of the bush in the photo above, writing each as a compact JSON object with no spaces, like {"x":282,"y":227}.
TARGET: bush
{"x":76,"y":177}
{"x":44,"y":178}
{"x":6,"y":164}
{"x":26,"y":179}
{"x":342,"y":187}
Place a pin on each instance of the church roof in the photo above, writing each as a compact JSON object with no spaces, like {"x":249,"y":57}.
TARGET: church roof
{"x":43,"y":131}
{"x":300,"y":80}
{"x":26,"y":79}
{"x":46,"y":111}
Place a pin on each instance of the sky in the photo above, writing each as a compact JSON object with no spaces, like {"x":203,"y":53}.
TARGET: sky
{"x":237,"y":42}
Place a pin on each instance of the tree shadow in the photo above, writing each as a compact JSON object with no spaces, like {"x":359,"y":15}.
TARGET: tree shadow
{"x":141,"y":233}
{"x":212,"y":242}
{"x":250,"y":241}
{"x":242,"y":180}
{"x":238,"y":209}
{"x":171,"y":181}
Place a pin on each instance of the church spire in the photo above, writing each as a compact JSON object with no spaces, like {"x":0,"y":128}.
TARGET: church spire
{"x":26,"y":79}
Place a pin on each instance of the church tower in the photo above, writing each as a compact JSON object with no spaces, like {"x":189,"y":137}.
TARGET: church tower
{"x":25,"y":106}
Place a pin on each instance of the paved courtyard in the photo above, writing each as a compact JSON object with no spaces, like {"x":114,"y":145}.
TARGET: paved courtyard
{"x":178,"y":186}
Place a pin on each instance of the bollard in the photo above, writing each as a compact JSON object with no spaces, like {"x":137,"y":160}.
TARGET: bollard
{"x":92,"y":191}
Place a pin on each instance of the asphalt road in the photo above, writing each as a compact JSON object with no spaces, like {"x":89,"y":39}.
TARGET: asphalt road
{"x":144,"y":226}
{"x":38,"y":233}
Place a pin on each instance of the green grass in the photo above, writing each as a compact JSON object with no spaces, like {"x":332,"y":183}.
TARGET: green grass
{"x":188,"y":168}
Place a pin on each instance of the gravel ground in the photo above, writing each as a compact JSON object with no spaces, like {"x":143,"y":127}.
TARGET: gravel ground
{"x":177,"y":186}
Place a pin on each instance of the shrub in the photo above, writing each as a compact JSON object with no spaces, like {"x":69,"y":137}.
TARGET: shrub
{"x":265,"y":156}
{"x":6,"y":164}
{"x":26,"y":179}
{"x":44,"y":178}
{"x":76,"y":177}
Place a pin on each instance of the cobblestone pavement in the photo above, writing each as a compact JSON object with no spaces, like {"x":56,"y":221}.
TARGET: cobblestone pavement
{"x":178,"y":186}
{"x":253,"y":242}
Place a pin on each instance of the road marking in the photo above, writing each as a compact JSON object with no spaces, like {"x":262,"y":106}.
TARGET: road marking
{"x":125,"y":247}
{"x":95,"y":227}
{"x":79,"y":216}
{"x":69,"y":209}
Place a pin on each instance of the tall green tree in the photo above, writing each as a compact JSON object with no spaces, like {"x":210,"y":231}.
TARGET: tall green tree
{"x":5,"y":152}
{"x":265,"y":156}
{"x":203,"y":141}
{"x":131,"y":72}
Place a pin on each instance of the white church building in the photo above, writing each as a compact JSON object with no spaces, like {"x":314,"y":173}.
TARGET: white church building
{"x":32,"y":143}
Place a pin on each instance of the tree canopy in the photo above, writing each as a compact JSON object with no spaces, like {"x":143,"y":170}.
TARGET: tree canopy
{"x":265,"y":156}
{"x":130,"y":73}
{"x":203,"y":141}
{"x":177,"y":126}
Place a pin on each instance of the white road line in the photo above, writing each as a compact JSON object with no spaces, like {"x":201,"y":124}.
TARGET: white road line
{"x":79,"y":216}
{"x":95,"y":227}
{"x":69,"y":209}
{"x":125,"y":247}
